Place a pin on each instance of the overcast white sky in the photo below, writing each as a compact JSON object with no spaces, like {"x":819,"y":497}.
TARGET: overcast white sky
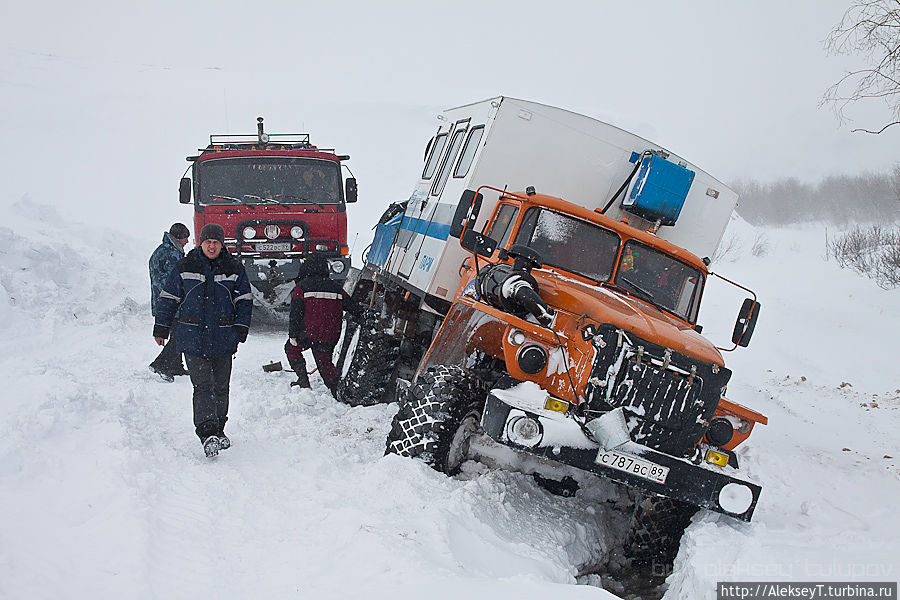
{"x":104,"y":100}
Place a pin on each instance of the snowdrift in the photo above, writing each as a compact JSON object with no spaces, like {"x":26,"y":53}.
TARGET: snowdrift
{"x":104,"y":491}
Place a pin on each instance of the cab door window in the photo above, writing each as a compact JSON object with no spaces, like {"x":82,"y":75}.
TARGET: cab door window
{"x":501,"y":227}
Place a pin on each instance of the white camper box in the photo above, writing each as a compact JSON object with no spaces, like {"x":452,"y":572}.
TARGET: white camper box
{"x":509,"y":143}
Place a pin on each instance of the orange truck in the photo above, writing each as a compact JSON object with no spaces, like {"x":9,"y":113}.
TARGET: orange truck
{"x":569,"y":338}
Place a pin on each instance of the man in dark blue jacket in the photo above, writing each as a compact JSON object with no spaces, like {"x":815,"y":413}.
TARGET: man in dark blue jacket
{"x":168,"y":364}
{"x":210,"y":289}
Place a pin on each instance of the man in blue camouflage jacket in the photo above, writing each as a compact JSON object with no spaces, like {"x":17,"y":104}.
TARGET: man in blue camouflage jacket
{"x":168,"y":364}
{"x":210,"y":291}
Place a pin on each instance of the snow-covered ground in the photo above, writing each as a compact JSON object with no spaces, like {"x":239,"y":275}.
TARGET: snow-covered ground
{"x":104,"y":492}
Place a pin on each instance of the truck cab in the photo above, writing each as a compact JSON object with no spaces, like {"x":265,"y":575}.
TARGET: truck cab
{"x":279,"y":199}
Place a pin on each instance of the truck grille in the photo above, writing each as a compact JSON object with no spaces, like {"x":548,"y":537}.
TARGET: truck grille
{"x":668,"y":402}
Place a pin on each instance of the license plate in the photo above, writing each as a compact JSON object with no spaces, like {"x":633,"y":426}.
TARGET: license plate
{"x":280,"y":247}
{"x":634,"y":465}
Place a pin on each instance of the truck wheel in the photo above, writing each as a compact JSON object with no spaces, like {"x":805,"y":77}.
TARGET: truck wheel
{"x":437,"y":418}
{"x":656,"y":529}
{"x":368,"y":363}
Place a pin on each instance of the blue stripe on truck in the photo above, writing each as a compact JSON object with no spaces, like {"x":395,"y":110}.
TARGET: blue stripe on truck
{"x":431,"y":229}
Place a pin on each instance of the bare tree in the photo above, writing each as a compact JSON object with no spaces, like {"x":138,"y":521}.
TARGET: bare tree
{"x":870,"y":28}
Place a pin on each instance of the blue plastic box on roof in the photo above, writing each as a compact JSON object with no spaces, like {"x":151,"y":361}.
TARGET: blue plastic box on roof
{"x":659,"y":190}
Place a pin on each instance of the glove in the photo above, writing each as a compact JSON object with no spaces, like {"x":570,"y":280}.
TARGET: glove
{"x":293,"y":341}
{"x":241,"y":332}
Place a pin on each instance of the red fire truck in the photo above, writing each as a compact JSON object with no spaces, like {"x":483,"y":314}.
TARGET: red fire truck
{"x":279,"y":199}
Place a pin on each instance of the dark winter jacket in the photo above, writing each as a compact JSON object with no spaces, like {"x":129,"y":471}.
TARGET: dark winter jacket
{"x":317,"y":306}
{"x":162,"y":261}
{"x":215,"y":303}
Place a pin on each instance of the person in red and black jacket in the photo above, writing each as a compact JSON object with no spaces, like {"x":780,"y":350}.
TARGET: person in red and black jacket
{"x":317,"y":308}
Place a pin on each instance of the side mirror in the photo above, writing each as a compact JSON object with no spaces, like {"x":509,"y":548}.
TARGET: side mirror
{"x":466,"y":213}
{"x":184,"y":190}
{"x":746,"y":323}
{"x":478,"y":243}
{"x":350,"y":191}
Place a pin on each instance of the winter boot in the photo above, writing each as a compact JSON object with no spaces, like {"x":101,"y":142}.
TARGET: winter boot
{"x":212,"y":445}
{"x":302,"y":376}
{"x":224,"y":442}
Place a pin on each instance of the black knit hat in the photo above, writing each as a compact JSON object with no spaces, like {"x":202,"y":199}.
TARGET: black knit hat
{"x":179,"y":231}
{"x":211,"y":231}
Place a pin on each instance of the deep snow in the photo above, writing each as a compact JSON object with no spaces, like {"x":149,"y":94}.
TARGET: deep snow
{"x":104,"y":492}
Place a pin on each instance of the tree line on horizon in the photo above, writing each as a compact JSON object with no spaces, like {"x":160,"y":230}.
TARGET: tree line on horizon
{"x":838,"y":199}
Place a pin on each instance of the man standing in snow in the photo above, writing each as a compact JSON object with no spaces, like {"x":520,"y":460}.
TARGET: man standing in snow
{"x":168,"y":364}
{"x":317,"y":308}
{"x":210,"y":291}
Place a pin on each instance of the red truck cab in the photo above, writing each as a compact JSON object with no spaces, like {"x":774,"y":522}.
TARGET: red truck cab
{"x":279,"y":199}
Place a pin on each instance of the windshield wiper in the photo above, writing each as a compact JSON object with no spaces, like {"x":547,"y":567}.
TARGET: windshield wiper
{"x":640,"y":292}
{"x":230,"y":198}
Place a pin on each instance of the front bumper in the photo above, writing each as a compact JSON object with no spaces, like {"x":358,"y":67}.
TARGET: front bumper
{"x":563,"y":441}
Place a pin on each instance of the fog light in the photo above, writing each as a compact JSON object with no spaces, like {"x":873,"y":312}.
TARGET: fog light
{"x":524,"y":431}
{"x":249,"y":233}
{"x":272,"y":231}
{"x":716,"y":458}
{"x":735,"y":498}
{"x":720,"y":432}
{"x":296,"y":232}
{"x":555,"y":405}
{"x":337,"y":266}
{"x":321,"y":247}
{"x":532,"y":359}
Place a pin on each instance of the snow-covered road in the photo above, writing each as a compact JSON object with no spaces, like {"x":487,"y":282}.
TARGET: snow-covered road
{"x":104,"y":492}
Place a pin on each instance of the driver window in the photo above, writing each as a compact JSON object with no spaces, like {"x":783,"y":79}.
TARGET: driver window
{"x":502,"y":225}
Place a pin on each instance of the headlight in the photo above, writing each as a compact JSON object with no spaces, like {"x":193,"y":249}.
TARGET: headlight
{"x":720,"y":432}
{"x":532,"y":359}
{"x":337,"y":266}
{"x":321,"y":247}
{"x":735,"y":498}
{"x":524,"y":431}
{"x":273,"y":231}
{"x":296,"y":232}
{"x":249,"y":233}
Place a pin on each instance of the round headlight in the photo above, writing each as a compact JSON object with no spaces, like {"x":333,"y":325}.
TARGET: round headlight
{"x":337,"y":266}
{"x":249,"y":233}
{"x":720,"y":432}
{"x":273,"y":231}
{"x":524,"y":431}
{"x":516,"y":337}
{"x":296,"y":232}
{"x":735,"y":498}
{"x":532,"y":359}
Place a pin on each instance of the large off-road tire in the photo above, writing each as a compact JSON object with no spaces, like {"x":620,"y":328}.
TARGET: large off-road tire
{"x":656,"y":529}
{"x":369,"y":364}
{"x":438,"y":416}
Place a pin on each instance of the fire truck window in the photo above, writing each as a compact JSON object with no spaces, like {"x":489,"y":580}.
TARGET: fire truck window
{"x":438,"y":187}
{"x":502,"y":225}
{"x":569,"y":243}
{"x":468,"y":153}
{"x":436,"y":149}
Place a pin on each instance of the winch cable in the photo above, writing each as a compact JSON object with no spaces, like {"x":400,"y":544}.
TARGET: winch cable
{"x":624,"y":185}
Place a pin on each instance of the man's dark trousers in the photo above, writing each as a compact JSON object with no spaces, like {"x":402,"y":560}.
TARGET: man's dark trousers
{"x":210,"y":377}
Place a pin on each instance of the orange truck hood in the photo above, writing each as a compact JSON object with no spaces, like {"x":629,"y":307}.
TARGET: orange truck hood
{"x":604,"y":305}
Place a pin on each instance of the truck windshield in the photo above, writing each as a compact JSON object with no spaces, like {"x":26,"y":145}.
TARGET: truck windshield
{"x":660,"y":279}
{"x":569,"y":243}
{"x":267,"y":180}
